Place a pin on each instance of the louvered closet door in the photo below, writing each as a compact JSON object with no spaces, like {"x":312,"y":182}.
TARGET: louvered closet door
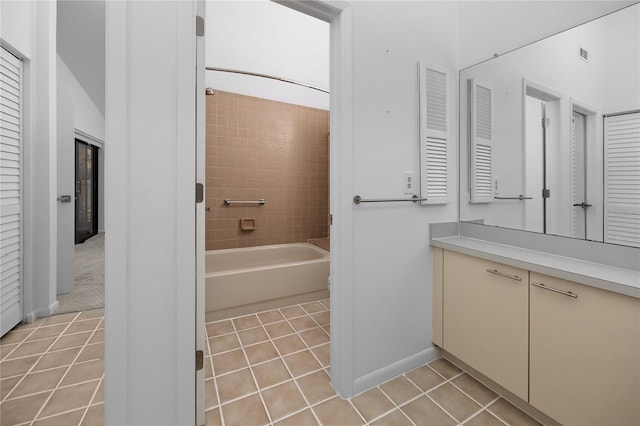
{"x":622,"y":179}
{"x":10,"y":192}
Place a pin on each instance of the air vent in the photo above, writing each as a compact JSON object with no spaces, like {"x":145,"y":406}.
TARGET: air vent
{"x":584,"y":54}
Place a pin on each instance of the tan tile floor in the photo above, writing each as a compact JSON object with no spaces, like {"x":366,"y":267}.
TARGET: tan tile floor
{"x":271,"y":368}
{"x":52,"y":371}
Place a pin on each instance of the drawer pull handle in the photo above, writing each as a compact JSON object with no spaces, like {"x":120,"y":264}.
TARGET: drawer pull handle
{"x":555,"y":290}
{"x":502,"y":274}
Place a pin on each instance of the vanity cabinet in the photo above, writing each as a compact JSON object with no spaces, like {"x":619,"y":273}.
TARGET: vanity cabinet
{"x":486,"y":320}
{"x":570,"y":350}
{"x":585,"y":353}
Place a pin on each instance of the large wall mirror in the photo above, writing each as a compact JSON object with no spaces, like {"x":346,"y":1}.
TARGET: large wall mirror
{"x":550,"y":134}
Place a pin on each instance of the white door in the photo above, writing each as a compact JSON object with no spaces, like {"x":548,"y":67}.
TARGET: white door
{"x":622,"y":179}
{"x":10,"y":191}
{"x":201,"y":342}
{"x":534,"y":208}
{"x":579,"y":202}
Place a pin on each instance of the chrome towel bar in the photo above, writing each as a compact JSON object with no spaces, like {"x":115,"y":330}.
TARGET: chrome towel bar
{"x":358,"y":199}
{"x":260,"y":201}
{"x":519,"y":197}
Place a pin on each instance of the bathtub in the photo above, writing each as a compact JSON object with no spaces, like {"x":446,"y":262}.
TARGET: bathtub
{"x":248,"y":280}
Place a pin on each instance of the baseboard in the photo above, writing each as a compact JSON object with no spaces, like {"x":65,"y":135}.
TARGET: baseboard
{"x":42,"y":312}
{"x":391,"y":371}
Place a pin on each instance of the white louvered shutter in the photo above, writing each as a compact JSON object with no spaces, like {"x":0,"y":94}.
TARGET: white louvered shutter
{"x":622,"y":179}
{"x":481,"y":129}
{"x":434,"y":135}
{"x":10,"y":191}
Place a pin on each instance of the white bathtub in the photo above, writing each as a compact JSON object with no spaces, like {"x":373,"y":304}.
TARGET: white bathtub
{"x":247,"y":280}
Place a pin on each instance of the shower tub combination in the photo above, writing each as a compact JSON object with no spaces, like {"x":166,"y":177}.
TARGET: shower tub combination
{"x":248,"y":280}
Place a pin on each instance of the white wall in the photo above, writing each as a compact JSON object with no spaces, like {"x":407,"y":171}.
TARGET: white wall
{"x":28,"y":30}
{"x":265,"y":37}
{"x":622,"y":46}
{"x":66,"y":178}
{"x":392,"y":285}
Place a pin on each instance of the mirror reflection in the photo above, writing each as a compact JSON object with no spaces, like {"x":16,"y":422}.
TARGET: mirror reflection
{"x":550,"y":134}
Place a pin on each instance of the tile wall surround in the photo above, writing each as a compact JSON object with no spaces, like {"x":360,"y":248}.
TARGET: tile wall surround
{"x":258,"y":148}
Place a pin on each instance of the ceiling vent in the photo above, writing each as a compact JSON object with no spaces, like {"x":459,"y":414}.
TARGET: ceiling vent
{"x":584,"y":54}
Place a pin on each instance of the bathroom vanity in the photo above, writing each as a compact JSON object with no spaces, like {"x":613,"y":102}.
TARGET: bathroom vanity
{"x":536,"y":290}
{"x":560,"y":333}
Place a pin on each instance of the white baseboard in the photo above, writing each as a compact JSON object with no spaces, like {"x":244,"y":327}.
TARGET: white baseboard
{"x":388,"y":372}
{"x":42,"y":312}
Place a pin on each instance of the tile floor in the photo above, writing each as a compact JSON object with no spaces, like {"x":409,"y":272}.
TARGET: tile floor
{"x":51,"y":371}
{"x":271,"y":368}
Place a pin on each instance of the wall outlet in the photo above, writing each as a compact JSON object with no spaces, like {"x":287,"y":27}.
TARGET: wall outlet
{"x":409,"y":183}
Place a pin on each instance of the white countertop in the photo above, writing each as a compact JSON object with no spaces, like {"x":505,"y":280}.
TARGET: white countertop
{"x":618,"y":280}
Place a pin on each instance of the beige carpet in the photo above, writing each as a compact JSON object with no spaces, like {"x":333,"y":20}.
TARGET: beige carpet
{"x":88,"y":290}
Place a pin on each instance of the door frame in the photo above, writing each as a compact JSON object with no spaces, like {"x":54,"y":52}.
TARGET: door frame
{"x":339,"y":15}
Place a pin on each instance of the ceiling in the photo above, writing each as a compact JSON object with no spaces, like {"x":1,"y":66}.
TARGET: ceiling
{"x":81,"y":44}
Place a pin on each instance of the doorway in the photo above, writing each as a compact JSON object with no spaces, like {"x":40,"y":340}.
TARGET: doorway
{"x":545,"y":174}
{"x":86,"y":191}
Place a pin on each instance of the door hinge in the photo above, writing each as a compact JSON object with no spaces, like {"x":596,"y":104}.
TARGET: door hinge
{"x":546,"y":193}
{"x":199,"y":192}
{"x":330,"y":219}
{"x":199,"y":360}
{"x":546,"y":122}
{"x":199,"y":26}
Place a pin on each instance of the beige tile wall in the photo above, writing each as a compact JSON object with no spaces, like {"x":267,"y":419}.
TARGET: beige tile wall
{"x":257,"y":148}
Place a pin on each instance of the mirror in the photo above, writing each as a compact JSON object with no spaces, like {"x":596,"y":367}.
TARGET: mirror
{"x":550,"y":134}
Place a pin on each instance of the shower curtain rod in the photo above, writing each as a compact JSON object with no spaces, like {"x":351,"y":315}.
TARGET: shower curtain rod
{"x":255,"y":74}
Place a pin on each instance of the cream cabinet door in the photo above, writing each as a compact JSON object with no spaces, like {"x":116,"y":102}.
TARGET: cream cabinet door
{"x":486,"y":319}
{"x":585,"y":353}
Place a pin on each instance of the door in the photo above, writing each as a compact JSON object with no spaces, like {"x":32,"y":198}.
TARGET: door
{"x":585,"y":353}
{"x":578,"y":177}
{"x":86,"y":191}
{"x":200,"y":344}
{"x":486,"y":318}
{"x":534,"y":208}
{"x":622,"y":179}
{"x":10,"y":191}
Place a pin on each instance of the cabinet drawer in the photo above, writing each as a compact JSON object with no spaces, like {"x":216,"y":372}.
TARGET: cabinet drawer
{"x":486,"y":320}
{"x":585,"y":353}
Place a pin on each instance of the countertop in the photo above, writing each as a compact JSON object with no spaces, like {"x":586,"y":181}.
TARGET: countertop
{"x":606,"y":277}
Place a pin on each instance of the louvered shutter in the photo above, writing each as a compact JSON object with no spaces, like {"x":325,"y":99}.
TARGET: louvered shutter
{"x":10,"y":191}
{"x":622,"y":179}
{"x":480,"y":113}
{"x":434,"y":135}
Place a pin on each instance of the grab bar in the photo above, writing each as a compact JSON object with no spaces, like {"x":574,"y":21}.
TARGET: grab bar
{"x":358,"y":199}
{"x":228,"y":202}
{"x":519,"y":197}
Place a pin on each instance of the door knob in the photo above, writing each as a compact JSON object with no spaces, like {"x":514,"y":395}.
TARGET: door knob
{"x":582,"y":204}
